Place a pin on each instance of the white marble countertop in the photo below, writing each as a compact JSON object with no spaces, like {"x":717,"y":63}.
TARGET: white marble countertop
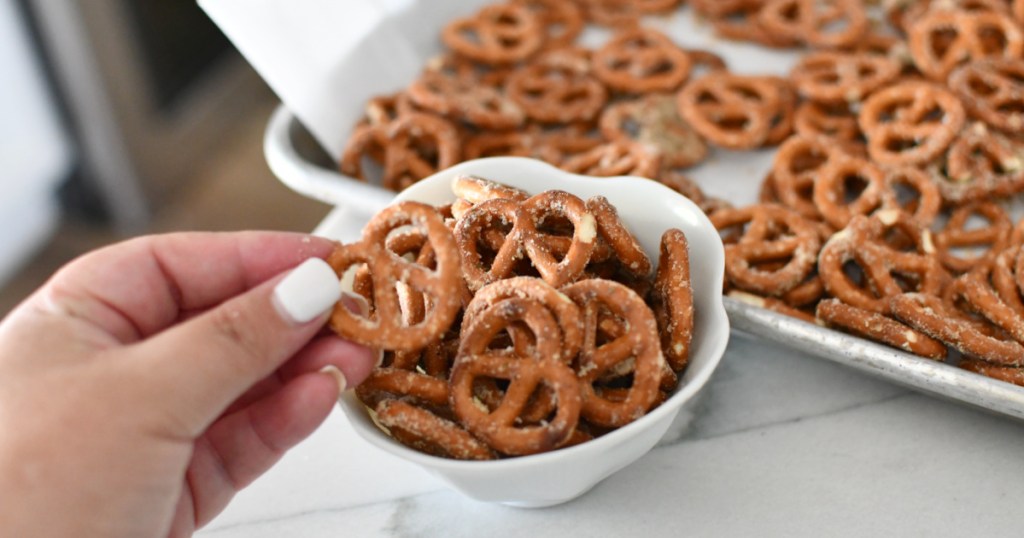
{"x":785,"y":444}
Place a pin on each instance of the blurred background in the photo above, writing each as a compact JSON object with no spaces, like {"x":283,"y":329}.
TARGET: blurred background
{"x":125,"y":117}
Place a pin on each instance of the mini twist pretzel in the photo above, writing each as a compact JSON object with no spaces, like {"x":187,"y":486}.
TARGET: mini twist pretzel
{"x":466,"y":98}
{"x":654,"y":122}
{"x":974,"y":34}
{"x":623,"y":243}
{"x":835,"y":122}
{"x":879,"y":328}
{"x":977,"y":288}
{"x":956,"y":235}
{"x":499,"y":34}
{"x":640,"y":344}
{"x":618,"y":158}
{"x":422,"y":430}
{"x":558,"y":88}
{"x":883,"y":267}
{"x":923,"y":204}
{"x":397,"y":383}
{"x":1008,"y":374}
{"x":386,"y":330}
{"x":832,"y":194}
{"x":641,"y":60}
{"x":564,"y":310}
{"x":835,"y":77}
{"x":522,"y":219}
{"x":981,"y":164}
{"x":476,"y":189}
{"x":772,"y":233}
{"x":562,"y":21}
{"x":673,"y":299}
{"x":819,"y":23}
{"x":928,"y":314}
{"x":731,"y":110}
{"x":412,"y":147}
{"x":499,"y":427}
{"x":993,"y":91}
{"x":797,"y":163}
{"x":1004,"y":278}
{"x":910,"y":122}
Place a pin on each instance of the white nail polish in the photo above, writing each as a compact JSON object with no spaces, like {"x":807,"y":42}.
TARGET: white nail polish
{"x":307,"y":292}
{"x":338,"y":376}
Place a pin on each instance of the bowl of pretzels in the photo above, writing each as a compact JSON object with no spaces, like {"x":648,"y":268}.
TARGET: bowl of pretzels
{"x":540,"y":330}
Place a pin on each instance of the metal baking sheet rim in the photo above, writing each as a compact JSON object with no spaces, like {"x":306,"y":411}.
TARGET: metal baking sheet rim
{"x":924,"y":375}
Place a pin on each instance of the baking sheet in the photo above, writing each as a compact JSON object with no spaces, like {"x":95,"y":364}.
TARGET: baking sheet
{"x":734,"y":176}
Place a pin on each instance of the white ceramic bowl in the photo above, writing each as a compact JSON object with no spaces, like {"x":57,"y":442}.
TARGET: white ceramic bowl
{"x":648,"y":209}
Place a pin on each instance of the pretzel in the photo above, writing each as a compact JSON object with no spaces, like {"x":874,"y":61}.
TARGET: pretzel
{"x":498,"y":426}
{"x":799,"y":160}
{"x":813,"y":120}
{"x":654,"y":122}
{"x":875,"y":326}
{"x":672,"y":299}
{"x":980,"y":164}
{"x":565,"y":311}
{"x":743,"y":20}
{"x":498,"y":34}
{"x":1009,"y":374}
{"x":523,"y":237}
{"x":925,"y":201}
{"x":465,"y":98}
{"x":1003,"y":278}
{"x":977,"y":288}
{"x":771,"y":303}
{"x":883,"y":267}
{"x":413,"y":147}
{"x":976,"y":36}
{"x":956,"y":235}
{"x":993,"y":91}
{"x":928,"y":314}
{"x":558,"y":88}
{"x":782,"y":118}
{"x":424,"y":431}
{"x":901,"y":125}
{"x":562,"y":21}
{"x":475,"y":189}
{"x":638,"y":345}
{"x":389,"y":383}
{"x":772,"y":233}
{"x":612,"y":231}
{"x":641,"y":60}
{"x":612,"y":13}
{"x":386,"y":330}
{"x":730,"y":110}
{"x":834,"y":77}
{"x":833,"y":196}
{"x":617,"y":158}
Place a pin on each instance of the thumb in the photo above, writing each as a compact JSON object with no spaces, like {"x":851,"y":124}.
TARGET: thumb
{"x":210,"y":360}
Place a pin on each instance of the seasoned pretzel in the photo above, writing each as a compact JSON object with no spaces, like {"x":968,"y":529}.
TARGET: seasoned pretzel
{"x":465,"y":98}
{"x":422,"y":430}
{"x":797,"y":163}
{"x":743,"y":20}
{"x":981,"y":164}
{"x":641,"y":60}
{"x":522,"y":221}
{"x":412,"y":147}
{"x":993,"y":91}
{"x":639,"y":345}
{"x":977,"y":36}
{"x":772,"y":233}
{"x":819,"y":23}
{"x":672,"y":298}
{"x":835,"y":77}
{"x":525,"y":375}
{"x":386,"y":330}
{"x":389,"y":383}
{"x":475,"y":189}
{"x":875,"y":326}
{"x":814,"y":120}
{"x":730,"y":110}
{"x":956,"y":235}
{"x":771,"y":303}
{"x":654,"y":122}
{"x":565,"y":311}
{"x":612,"y":231}
{"x":928,"y":314}
{"x":499,"y":33}
{"x":619,"y":158}
{"x":558,"y":88}
{"x":910,"y":122}
{"x":977,"y":288}
{"x":911,"y":190}
{"x":562,"y":21}
{"x":1009,"y":374}
{"x":835,"y":192}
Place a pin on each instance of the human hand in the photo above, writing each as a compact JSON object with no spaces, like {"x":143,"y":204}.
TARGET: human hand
{"x":147,"y":382}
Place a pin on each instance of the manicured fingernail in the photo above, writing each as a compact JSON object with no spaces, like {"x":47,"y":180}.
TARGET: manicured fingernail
{"x":338,"y":376}
{"x":355,"y":303}
{"x":307,"y":292}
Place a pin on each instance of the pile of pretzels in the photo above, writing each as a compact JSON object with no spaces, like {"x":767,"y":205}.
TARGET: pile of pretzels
{"x":899,"y":136}
{"x":511,"y":323}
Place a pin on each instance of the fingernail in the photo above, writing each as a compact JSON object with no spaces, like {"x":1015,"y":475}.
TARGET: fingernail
{"x":338,"y":376}
{"x":307,"y":292}
{"x":355,"y":303}
{"x":380,"y":358}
